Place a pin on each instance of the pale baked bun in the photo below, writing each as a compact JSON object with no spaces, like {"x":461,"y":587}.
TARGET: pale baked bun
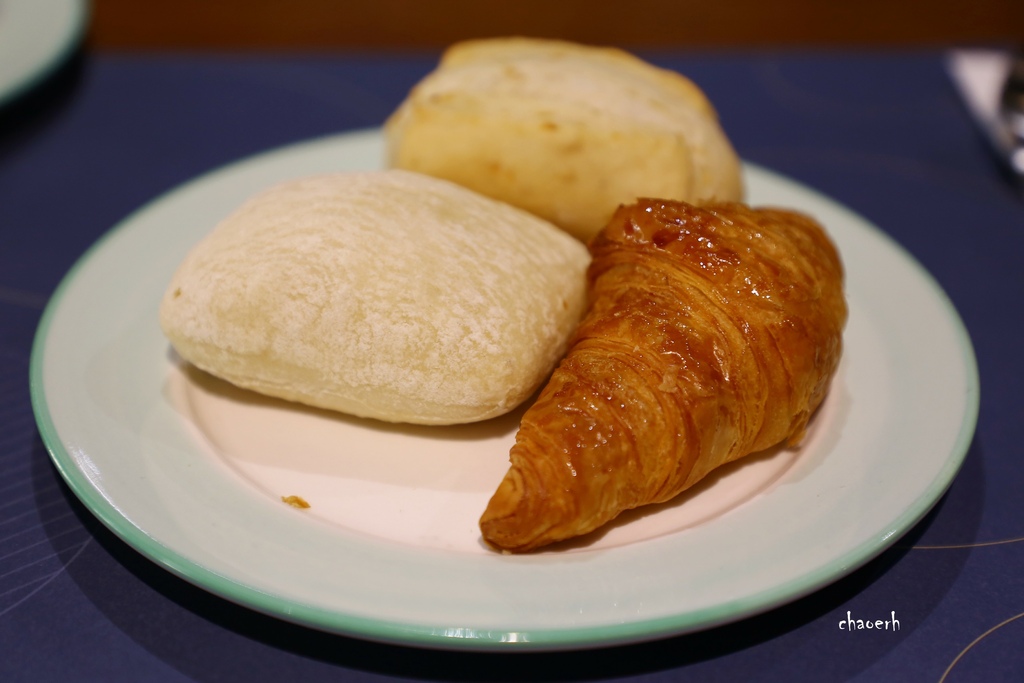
{"x":565,"y":131}
{"x":389,"y":295}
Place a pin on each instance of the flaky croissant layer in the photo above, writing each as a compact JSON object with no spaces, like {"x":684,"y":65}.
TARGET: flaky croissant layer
{"x":712,"y":333}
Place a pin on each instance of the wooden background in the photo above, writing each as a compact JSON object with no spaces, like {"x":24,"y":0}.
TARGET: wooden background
{"x":332,"y":25}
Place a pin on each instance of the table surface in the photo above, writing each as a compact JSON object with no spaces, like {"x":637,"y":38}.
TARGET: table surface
{"x":883,"y":133}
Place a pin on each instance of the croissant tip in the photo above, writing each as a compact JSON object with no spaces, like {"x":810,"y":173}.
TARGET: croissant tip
{"x":499,"y":517}
{"x":504,"y":523}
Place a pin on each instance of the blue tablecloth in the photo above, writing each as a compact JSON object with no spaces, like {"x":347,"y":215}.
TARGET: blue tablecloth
{"x":882,"y":133}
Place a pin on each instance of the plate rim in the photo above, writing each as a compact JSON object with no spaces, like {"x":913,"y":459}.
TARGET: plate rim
{"x":72,"y":17}
{"x":433,"y":636}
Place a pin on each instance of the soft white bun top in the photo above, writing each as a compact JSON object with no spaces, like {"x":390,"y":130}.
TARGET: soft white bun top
{"x":566,"y":131}
{"x":389,"y":295}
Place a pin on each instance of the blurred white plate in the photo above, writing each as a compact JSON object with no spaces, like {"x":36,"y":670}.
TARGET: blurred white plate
{"x":35,"y":36}
{"x":190,"y":472}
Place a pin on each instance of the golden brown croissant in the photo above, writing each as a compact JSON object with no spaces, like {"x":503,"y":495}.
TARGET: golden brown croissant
{"x":711,"y":333}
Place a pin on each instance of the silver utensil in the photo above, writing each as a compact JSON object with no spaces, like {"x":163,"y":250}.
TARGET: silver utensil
{"x":991,"y":84}
{"x":1011,"y":111}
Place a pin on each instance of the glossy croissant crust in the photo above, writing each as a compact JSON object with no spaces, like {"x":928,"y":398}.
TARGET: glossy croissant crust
{"x":711,"y":333}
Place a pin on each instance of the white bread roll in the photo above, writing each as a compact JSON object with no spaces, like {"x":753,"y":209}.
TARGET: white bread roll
{"x":389,"y":295}
{"x":565,"y":131}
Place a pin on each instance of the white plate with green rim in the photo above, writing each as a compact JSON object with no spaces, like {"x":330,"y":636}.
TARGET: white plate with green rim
{"x":35,"y":37}
{"x":191,"y":472}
